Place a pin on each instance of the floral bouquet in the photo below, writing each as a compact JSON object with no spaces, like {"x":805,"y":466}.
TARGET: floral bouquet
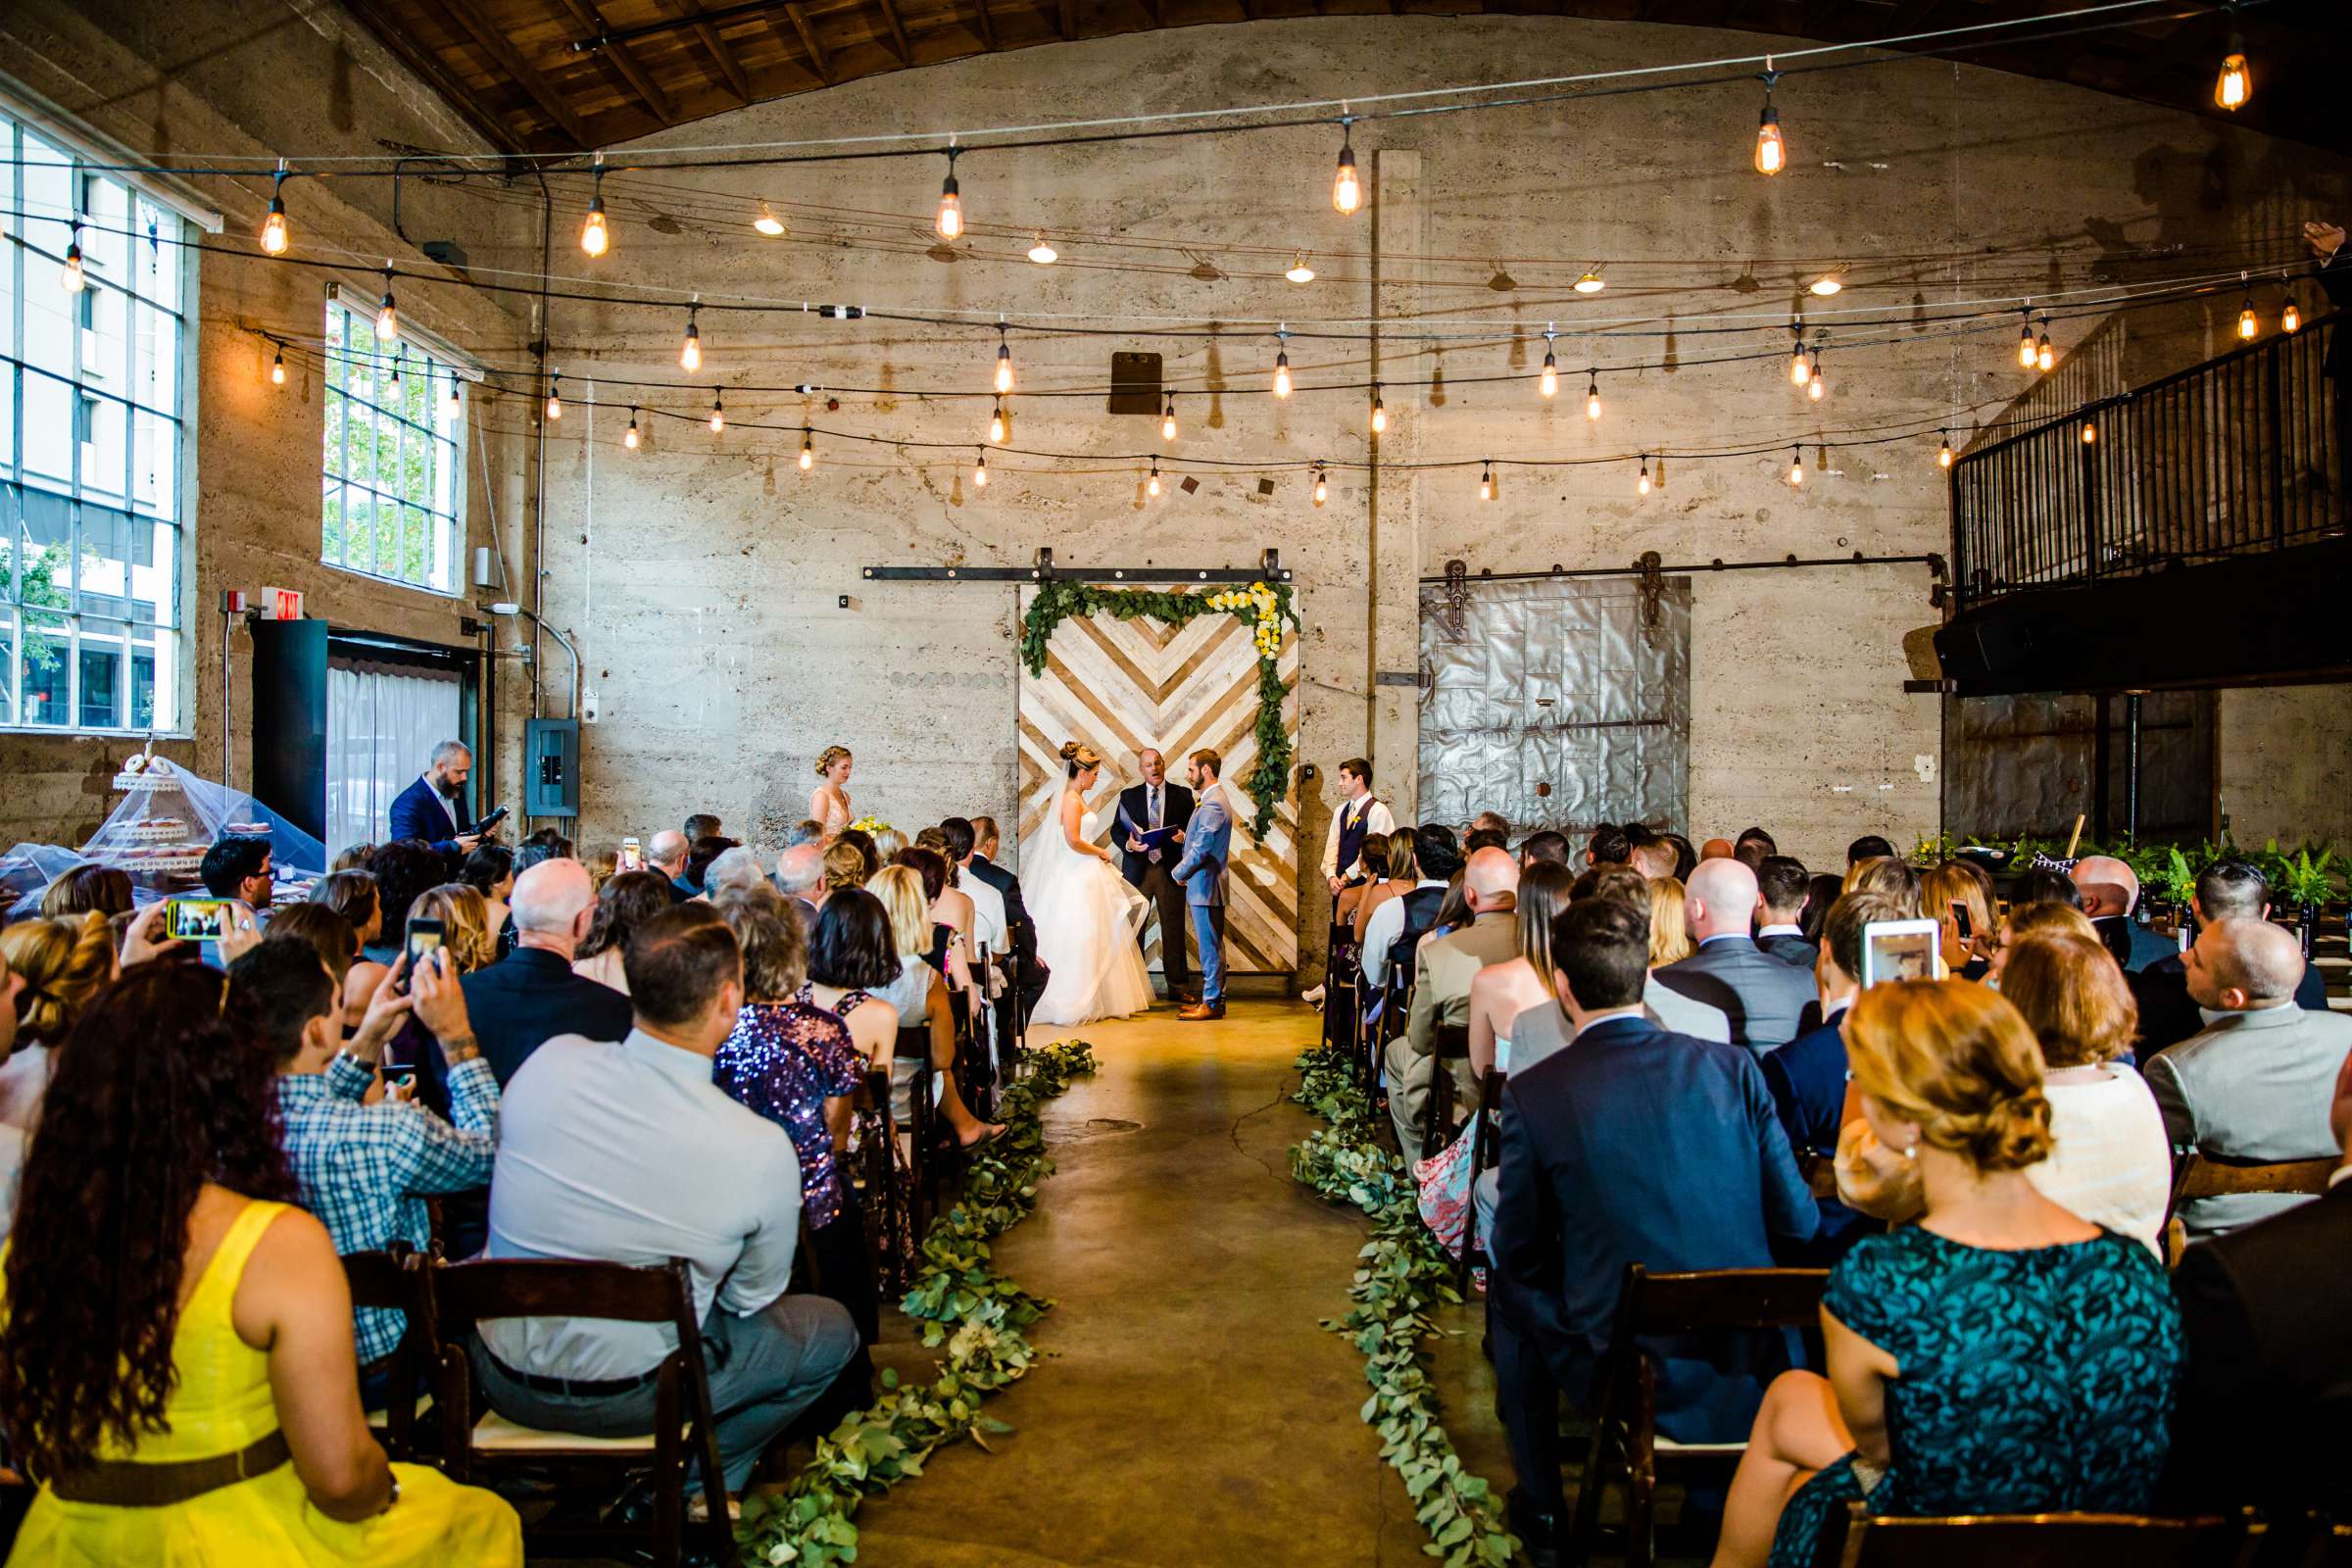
{"x":1258,"y":603}
{"x":870,"y":823}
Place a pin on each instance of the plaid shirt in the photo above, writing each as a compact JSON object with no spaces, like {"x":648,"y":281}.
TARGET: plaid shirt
{"x":365,"y":1170}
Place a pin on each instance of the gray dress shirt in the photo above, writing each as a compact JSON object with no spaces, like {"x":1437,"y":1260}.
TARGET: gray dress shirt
{"x":625,"y":1151}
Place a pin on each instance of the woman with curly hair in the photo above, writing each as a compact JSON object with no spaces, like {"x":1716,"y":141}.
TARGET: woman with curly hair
{"x":58,"y":966}
{"x":844,"y":865}
{"x":625,"y":902}
{"x":464,"y":916}
{"x":193,"y":1395}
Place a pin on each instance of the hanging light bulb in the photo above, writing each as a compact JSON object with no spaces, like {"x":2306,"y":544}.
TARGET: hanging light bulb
{"x":2235,"y":83}
{"x":718,"y":415}
{"x":690,"y":352}
{"x":1299,"y":272}
{"x":980,"y":473}
{"x":1548,"y":383}
{"x":1590,"y":282}
{"x":996,"y":425}
{"x":2045,"y":355}
{"x":399,"y":356}
{"x":1346,"y":193}
{"x":2248,"y":327}
{"x":1827,"y":284}
{"x":1772,"y":156}
{"x":769,"y":223}
{"x":1282,"y":366}
{"x":1003,"y":361}
{"x":388,"y":315}
{"x":1642,"y":485}
{"x":1152,"y":485}
{"x":2090,"y":433}
{"x":951,"y":204}
{"x":1043,"y":252}
{"x":1944,"y":453}
{"x":595,"y":238}
{"x":1593,"y":395}
{"x":629,"y":437}
{"x":1486,"y":481}
{"x":1796,"y":466}
{"x":278,"y":368}
{"x":554,"y":397}
{"x":1322,"y":485}
{"x":1380,"y":412}
{"x":70,"y":280}
{"x":457,"y":403}
{"x":808,"y":450}
{"x":2025,"y":355}
{"x":1817,"y":387}
{"x":1800,"y":369}
{"x":1167,"y":420}
{"x":2290,"y":318}
{"x":274,"y":237}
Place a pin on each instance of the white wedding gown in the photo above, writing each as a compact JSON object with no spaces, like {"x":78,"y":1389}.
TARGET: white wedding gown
{"x":1087,"y":918}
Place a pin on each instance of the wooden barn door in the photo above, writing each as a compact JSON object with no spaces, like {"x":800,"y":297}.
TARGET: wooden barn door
{"x":1122,"y":685}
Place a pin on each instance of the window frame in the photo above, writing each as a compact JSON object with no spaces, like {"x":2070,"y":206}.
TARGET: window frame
{"x":421,"y":354}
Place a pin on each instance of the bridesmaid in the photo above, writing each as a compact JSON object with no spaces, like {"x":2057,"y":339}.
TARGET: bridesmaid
{"x":829,"y":801}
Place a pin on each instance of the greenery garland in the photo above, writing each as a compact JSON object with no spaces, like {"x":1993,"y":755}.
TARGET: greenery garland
{"x":1264,"y":606}
{"x":1404,"y":1272}
{"x":977,"y":1314}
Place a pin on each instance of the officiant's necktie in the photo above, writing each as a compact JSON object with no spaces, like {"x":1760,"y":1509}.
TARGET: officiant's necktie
{"x":1155,"y":807}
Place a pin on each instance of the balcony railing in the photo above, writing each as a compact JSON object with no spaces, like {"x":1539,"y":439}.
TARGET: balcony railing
{"x":2239,"y":455}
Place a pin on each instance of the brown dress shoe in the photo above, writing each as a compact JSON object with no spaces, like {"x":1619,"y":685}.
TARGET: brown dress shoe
{"x":1202,"y":1009}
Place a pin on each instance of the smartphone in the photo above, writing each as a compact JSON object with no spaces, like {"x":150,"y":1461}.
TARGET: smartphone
{"x":1960,"y":921}
{"x":423,"y":935}
{"x":1901,"y":949}
{"x":632,"y":857}
{"x":201,"y":919}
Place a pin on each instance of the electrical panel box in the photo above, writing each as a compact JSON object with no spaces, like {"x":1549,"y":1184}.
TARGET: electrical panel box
{"x":551,"y":768}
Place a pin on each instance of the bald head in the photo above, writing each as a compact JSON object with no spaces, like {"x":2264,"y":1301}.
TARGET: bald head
{"x":2108,"y":886}
{"x":1490,"y":879}
{"x":2244,"y":964}
{"x":1721,"y":898}
{"x":800,"y":868}
{"x":552,"y":904}
{"x":1715,"y":849}
{"x":667,"y":850}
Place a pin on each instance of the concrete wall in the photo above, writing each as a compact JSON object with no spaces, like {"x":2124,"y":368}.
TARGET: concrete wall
{"x":2287,"y":766}
{"x":177,"y":83}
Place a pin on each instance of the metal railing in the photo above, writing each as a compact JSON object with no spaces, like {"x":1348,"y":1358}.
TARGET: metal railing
{"x":2236,"y":455}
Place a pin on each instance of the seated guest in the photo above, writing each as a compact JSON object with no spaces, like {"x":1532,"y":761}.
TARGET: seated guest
{"x":2003,"y":1356}
{"x":845,"y":866}
{"x":944,"y":952}
{"x":920,"y":993}
{"x":623,"y":905}
{"x":1547,"y":845}
{"x":223,"y":1361}
{"x":626,"y":1150}
{"x":352,"y":895}
{"x":237,"y":867}
{"x":1669,"y":923}
{"x":699,"y":856}
{"x":989,"y":930}
{"x":353,"y":859}
{"x":2110,"y":893}
{"x":2110,"y":1160}
{"x":1713,"y":850}
{"x":1442,"y":977}
{"x":2041,"y":884}
{"x":2252,"y":1087}
{"x":666,"y":853}
{"x":326,"y":934}
{"x":103,"y":888}
{"x":1604,"y":1145}
{"x":853,"y":959}
{"x":1608,"y":846}
{"x":1402,"y":919}
{"x":1373,"y":852}
{"x":464,"y":915}
{"x":365,"y":1170}
{"x":1821,"y":890}
{"x":796,"y":1064}
{"x":951,"y":908}
{"x":2168,"y":1014}
{"x":1492,"y":822}
{"x":1664,"y":1006}
{"x":735,"y":869}
{"x":1890,"y":876}
{"x":2268,"y":1354}
{"x":1763,"y":997}
{"x":403,"y":871}
{"x":1947,"y":893}
{"x":1807,"y":1076}
{"x":869,"y":854}
{"x":887,"y":842}
{"x":1483,"y":838}
{"x":1501,"y":992}
{"x":801,"y":877}
{"x":1394,"y":874}
{"x":1869,"y":846}
{"x":531,"y":994}
{"x":1657,"y":858}
{"x":490,"y":871}
{"x":701,"y":825}
{"x":808,"y":830}
{"x":1753,"y":848}
{"x":1782,"y":889}
{"x":56,"y":970}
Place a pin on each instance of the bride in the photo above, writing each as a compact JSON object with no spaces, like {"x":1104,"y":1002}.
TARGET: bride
{"x":1085,"y":914}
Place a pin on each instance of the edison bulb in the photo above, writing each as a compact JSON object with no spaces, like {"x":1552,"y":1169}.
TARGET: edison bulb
{"x":1591,"y":283}
{"x":1043,"y":252}
{"x":1299,"y":272}
{"x":980,"y":474}
{"x":2236,"y":85}
{"x":1380,"y":417}
{"x":1322,"y":488}
{"x":719,"y":418}
{"x":2044,"y":356}
{"x":274,"y":227}
{"x":1152,"y":485}
{"x":1800,"y":370}
{"x":807,"y":454}
{"x":2247,"y":326}
{"x":2025,"y":347}
{"x":1485,"y":484}
{"x":1346,"y":194}
{"x":595,"y":240}
{"x":1282,"y":375}
{"x":1003,"y":368}
{"x":1771,"y":154}
{"x":387,"y":319}
{"x":951,"y":209}
{"x":1168,"y":424}
{"x":629,"y":437}
{"x":1818,"y":387}
{"x":2290,"y":320}
{"x":71,"y":279}
{"x":1944,"y":453}
{"x":690,"y":353}
{"x":996,"y":426}
{"x":277,"y":369}
{"x":1796,"y":470}
{"x":555,"y":405}
{"x":1642,"y":485}
{"x":1827,"y":284}
{"x":2090,"y":433}
{"x":767,"y":223}
{"x":1593,"y":403}
{"x":1549,"y":382}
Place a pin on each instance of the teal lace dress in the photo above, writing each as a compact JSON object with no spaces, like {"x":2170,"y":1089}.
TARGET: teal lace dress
{"x":2031,"y":1380}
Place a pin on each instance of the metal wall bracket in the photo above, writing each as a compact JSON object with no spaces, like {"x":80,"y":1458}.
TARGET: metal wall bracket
{"x":1269,"y":570}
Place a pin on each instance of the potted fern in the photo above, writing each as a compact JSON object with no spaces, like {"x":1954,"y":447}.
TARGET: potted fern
{"x":2305,"y":884}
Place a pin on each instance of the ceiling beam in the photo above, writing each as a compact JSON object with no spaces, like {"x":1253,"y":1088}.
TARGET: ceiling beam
{"x":398,"y":37}
{"x":988,"y":25}
{"x":1065,"y":17}
{"x":897,"y":31}
{"x":526,"y":75}
{"x":616,"y":55}
{"x":720,"y":55}
{"x":818,"y":62}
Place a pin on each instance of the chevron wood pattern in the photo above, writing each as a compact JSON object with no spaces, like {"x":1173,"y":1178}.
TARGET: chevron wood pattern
{"x":1122,"y":685}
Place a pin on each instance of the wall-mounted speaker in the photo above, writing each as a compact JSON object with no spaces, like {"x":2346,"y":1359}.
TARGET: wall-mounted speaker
{"x":1135,"y":384}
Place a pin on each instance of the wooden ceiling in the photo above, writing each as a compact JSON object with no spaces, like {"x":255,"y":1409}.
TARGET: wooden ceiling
{"x":566,"y":75}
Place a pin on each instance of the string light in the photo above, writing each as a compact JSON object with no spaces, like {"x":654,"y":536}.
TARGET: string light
{"x":1817,"y":387}
{"x":554,"y":397}
{"x":1003,"y":361}
{"x":1346,"y":193}
{"x":808,"y":450}
{"x":2046,"y":357}
{"x":388,"y":315}
{"x":951,"y":204}
{"x":1486,"y":480}
{"x":1380,"y":412}
{"x":629,"y":437}
{"x":457,"y":403}
{"x":1152,"y":485}
{"x":769,"y":223}
{"x":1282,"y":363}
{"x":1043,"y":252}
{"x":2235,"y":83}
{"x":1593,"y":395}
{"x":2090,"y":433}
{"x":1944,"y":453}
{"x":690,"y":352}
{"x":718,"y":415}
{"x":595,"y":238}
{"x":2290,"y":318}
{"x":1549,"y":382}
{"x":70,"y":280}
{"x":996,"y":425}
{"x":1167,"y":420}
{"x":1322,"y":485}
{"x":398,"y":357}
{"x":1800,"y":370}
{"x":1827,"y":284}
{"x":1299,"y":272}
{"x":1642,"y":485}
{"x":2026,"y":356}
{"x":2247,"y":323}
{"x":1772,"y":154}
{"x":278,"y":368}
{"x":1590,"y":282}
{"x":274,"y":235}
{"x":980,"y":473}
{"x":1796,"y":466}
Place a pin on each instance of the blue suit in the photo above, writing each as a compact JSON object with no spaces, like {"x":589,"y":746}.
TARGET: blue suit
{"x":1807,"y":1080}
{"x":1633,"y":1146}
{"x":418,"y":813}
{"x":1208,"y":846}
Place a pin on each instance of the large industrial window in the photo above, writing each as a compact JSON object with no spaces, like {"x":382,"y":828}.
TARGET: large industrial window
{"x":91,"y":416}
{"x":395,"y":477}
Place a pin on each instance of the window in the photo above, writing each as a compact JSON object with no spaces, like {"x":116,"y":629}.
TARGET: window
{"x":92,"y":532}
{"x":395,"y":477}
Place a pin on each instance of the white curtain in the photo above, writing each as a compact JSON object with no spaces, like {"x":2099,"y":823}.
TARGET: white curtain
{"x":381,"y":727}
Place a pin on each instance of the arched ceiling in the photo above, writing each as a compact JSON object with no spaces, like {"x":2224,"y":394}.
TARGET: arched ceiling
{"x":565,"y":76}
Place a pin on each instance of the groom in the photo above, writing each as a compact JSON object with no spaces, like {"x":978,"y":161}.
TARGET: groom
{"x":1207,"y":841}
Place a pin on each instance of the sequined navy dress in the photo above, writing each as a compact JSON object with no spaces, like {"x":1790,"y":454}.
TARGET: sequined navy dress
{"x":784,"y":1059}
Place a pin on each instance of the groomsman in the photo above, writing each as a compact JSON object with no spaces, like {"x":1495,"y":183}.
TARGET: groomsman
{"x":1155,"y":802}
{"x":1359,"y":813}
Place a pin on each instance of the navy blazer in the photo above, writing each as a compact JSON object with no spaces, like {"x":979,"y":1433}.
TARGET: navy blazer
{"x":418,"y":813}
{"x":1764,"y":997}
{"x":531,"y":995}
{"x":1174,"y":812}
{"x":1639,"y":1146}
{"x":1807,"y":1080}
{"x":2133,"y":945}
{"x":1016,"y":912}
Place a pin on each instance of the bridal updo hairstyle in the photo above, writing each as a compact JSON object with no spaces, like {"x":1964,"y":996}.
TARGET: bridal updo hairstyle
{"x":828,"y":757}
{"x":1958,"y":1059}
{"x":1080,"y":757}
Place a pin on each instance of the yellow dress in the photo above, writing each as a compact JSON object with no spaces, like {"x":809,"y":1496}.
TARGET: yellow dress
{"x":222,"y":1405}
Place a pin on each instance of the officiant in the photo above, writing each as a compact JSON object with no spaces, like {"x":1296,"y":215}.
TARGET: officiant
{"x":1155,"y":804}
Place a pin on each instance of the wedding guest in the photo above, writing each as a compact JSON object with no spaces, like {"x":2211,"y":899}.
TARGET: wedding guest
{"x":490,"y":871}
{"x":2110,"y":1160}
{"x":1821,"y":890}
{"x":12,"y":1138}
{"x":2168,"y":1014}
{"x":103,"y":888}
{"x":1442,"y":978}
{"x":829,"y":801}
{"x":326,"y":934}
{"x":920,"y":993}
{"x":1548,"y":845}
{"x":1753,"y":848}
{"x":1669,"y":922}
{"x":603,"y":866}
{"x":699,"y":856}
{"x":808,"y":830}
{"x":1399,"y":874}
{"x":403,"y":869}
{"x":1501,"y":992}
{"x":353,"y":859}
{"x":991,"y":930}
{"x":845,"y":866}
{"x":734,"y":869}
{"x":1686,"y":858}
{"x":624,"y":904}
{"x":951,"y":905}
{"x":1608,"y":846}
{"x":2043,"y":885}
{"x":852,"y":958}
{"x":1656,"y":858}
{"x":1492,"y":822}
{"x":869,"y":850}
{"x":1764,"y":998}
{"x":57,"y":968}
{"x":1543,"y":1032}
{"x":1869,"y":846}
{"x":1021,"y":929}
{"x":210,"y":1319}
{"x":800,"y":876}
{"x":1782,"y":889}
{"x":1372,"y":850}
{"x":666,"y":853}
{"x":1396,"y":929}
{"x":1949,"y":894}
{"x":1934,"y":1405}
{"x":531,"y":995}
{"x":352,"y":895}
{"x":464,"y":916}
{"x":1898,"y":879}
{"x":944,"y":950}
{"x":1713,"y":850}
{"x":237,"y":867}
{"x":626,"y":1151}
{"x":2110,"y":893}
{"x":1807,"y":1076}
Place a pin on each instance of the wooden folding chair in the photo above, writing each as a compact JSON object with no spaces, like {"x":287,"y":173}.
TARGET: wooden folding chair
{"x":1340,"y":994}
{"x":2202,"y":1176}
{"x":1483,"y":1154}
{"x":391,"y":1280}
{"x":2029,"y":1541}
{"x":884,"y":1187}
{"x":476,"y":1450}
{"x":1626,"y":1448}
{"x":1450,"y":1043}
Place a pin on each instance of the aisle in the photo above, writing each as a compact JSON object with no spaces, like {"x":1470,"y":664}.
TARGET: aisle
{"x":1194,"y":1411}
